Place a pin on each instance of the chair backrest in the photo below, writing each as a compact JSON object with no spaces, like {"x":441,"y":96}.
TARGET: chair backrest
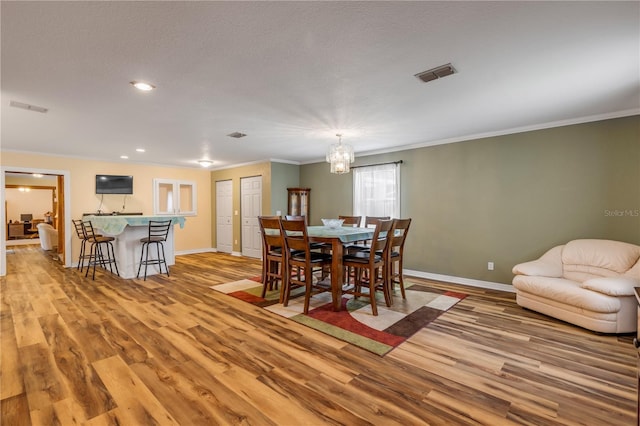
{"x":400,"y":231}
{"x":271,"y":230}
{"x":295,"y":235}
{"x":77,"y":224}
{"x":87,"y":231}
{"x":292,"y":217}
{"x":381,"y":241}
{"x":351,"y":220}
{"x":159,"y":229}
{"x":370,"y":221}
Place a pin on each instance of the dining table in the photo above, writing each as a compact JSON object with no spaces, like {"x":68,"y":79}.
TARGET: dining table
{"x":338,"y":237}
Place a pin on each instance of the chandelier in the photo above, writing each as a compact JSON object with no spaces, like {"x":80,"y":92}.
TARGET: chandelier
{"x":340,"y":156}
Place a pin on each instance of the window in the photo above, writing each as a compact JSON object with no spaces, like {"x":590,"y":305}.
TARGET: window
{"x":174,"y":197}
{"x":376,"y":190}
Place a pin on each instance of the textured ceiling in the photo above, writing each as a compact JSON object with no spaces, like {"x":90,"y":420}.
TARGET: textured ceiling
{"x":293,"y":74}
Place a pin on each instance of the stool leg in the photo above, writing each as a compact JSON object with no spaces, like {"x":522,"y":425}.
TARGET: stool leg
{"x":115,"y":264}
{"x":141,"y":256}
{"x":164,"y":260}
{"x":146,"y":262}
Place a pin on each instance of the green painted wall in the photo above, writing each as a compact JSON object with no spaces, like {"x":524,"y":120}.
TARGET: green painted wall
{"x":505,"y":199}
{"x":283,"y":176}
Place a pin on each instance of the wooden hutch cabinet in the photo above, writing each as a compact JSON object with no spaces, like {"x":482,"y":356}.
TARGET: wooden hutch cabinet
{"x":298,"y":202}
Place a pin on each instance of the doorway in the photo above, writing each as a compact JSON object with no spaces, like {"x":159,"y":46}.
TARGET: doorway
{"x":251,"y":208}
{"x":62,"y":206}
{"x":224,"y":216}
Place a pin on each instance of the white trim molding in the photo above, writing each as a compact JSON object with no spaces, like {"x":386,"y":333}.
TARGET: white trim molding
{"x":459,"y":280}
{"x":195,"y":251}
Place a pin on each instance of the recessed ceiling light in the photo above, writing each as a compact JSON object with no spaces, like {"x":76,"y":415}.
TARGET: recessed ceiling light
{"x":141,"y":85}
{"x":205,"y":163}
{"x":37,"y":175}
{"x":139,"y":149}
{"x":124,"y":157}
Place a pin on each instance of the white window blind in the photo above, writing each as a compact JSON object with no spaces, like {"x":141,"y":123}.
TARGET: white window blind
{"x":376,"y":190}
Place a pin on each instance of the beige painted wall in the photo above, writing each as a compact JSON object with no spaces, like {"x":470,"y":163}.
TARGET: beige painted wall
{"x":35,"y":202}
{"x":505,"y":199}
{"x":195,"y":236}
{"x":235,"y":174}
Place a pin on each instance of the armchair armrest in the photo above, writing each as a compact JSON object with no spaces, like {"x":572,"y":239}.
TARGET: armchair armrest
{"x":549,"y":265}
{"x":612,"y":286}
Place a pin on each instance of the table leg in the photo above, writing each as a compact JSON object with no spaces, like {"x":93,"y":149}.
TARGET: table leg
{"x":337,"y":273}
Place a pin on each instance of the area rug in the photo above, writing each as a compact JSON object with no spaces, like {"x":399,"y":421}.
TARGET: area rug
{"x":355,"y":323}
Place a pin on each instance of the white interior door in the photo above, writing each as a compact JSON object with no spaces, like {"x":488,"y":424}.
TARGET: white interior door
{"x":224,"y":216}
{"x":251,"y":207}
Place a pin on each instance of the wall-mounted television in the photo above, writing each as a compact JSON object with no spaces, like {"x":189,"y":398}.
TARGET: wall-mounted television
{"x":114,"y":184}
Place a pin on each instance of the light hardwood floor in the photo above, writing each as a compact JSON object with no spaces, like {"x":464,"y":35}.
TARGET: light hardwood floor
{"x":172,"y":351}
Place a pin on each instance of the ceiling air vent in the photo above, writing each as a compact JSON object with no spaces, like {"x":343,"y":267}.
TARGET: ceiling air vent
{"x":434,"y":73}
{"x":237,"y":135}
{"x":28,"y":107}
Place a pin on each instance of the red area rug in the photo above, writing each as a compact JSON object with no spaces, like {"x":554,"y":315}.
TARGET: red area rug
{"x":355,"y":323}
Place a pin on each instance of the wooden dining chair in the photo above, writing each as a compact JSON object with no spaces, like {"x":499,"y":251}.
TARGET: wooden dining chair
{"x":273,"y":255}
{"x":374,"y":263}
{"x":303,"y":260}
{"x":369,"y":222}
{"x":399,"y":233}
{"x":351,"y":220}
{"x":297,"y":217}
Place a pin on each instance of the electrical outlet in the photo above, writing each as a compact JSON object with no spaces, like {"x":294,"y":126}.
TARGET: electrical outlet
{"x":490,"y":266}
{"x":236,"y":242}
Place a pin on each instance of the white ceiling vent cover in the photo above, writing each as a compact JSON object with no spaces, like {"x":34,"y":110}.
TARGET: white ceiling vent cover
{"x":435,"y":73}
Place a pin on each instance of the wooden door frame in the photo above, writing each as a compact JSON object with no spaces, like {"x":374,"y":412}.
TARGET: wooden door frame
{"x":64,"y":207}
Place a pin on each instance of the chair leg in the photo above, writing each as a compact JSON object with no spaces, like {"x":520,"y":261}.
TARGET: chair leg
{"x":308,"y":279}
{"x":401,"y":278}
{"x":372,"y":292}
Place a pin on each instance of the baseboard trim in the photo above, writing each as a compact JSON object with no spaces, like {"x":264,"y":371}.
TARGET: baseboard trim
{"x":236,"y":253}
{"x":195,"y":251}
{"x":459,"y":280}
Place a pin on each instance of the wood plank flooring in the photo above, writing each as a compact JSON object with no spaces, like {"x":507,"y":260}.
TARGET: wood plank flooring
{"x":171,"y":351}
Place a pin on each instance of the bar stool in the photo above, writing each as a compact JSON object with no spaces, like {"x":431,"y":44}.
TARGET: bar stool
{"x":157,"y":235}
{"x":97,"y":252}
{"x":77,"y":223}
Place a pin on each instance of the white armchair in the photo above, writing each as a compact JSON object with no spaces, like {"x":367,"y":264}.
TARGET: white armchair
{"x":589,"y":283}
{"x":48,"y":236}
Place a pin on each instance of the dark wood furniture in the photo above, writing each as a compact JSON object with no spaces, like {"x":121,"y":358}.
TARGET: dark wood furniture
{"x":299,"y":202}
{"x":374,"y":262}
{"x":301,"y":259}
{"x":273,"y":254}
{"x":399,"y":233}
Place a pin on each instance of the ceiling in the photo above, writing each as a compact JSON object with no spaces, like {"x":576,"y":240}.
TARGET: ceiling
{"x":293,"y":74}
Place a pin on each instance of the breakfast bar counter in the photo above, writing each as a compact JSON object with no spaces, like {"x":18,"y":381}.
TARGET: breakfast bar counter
{"x":128,"y":230}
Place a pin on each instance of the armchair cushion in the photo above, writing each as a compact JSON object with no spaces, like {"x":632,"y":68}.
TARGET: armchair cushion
{"x":549,"y":265}
{"x":612,"y":286}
